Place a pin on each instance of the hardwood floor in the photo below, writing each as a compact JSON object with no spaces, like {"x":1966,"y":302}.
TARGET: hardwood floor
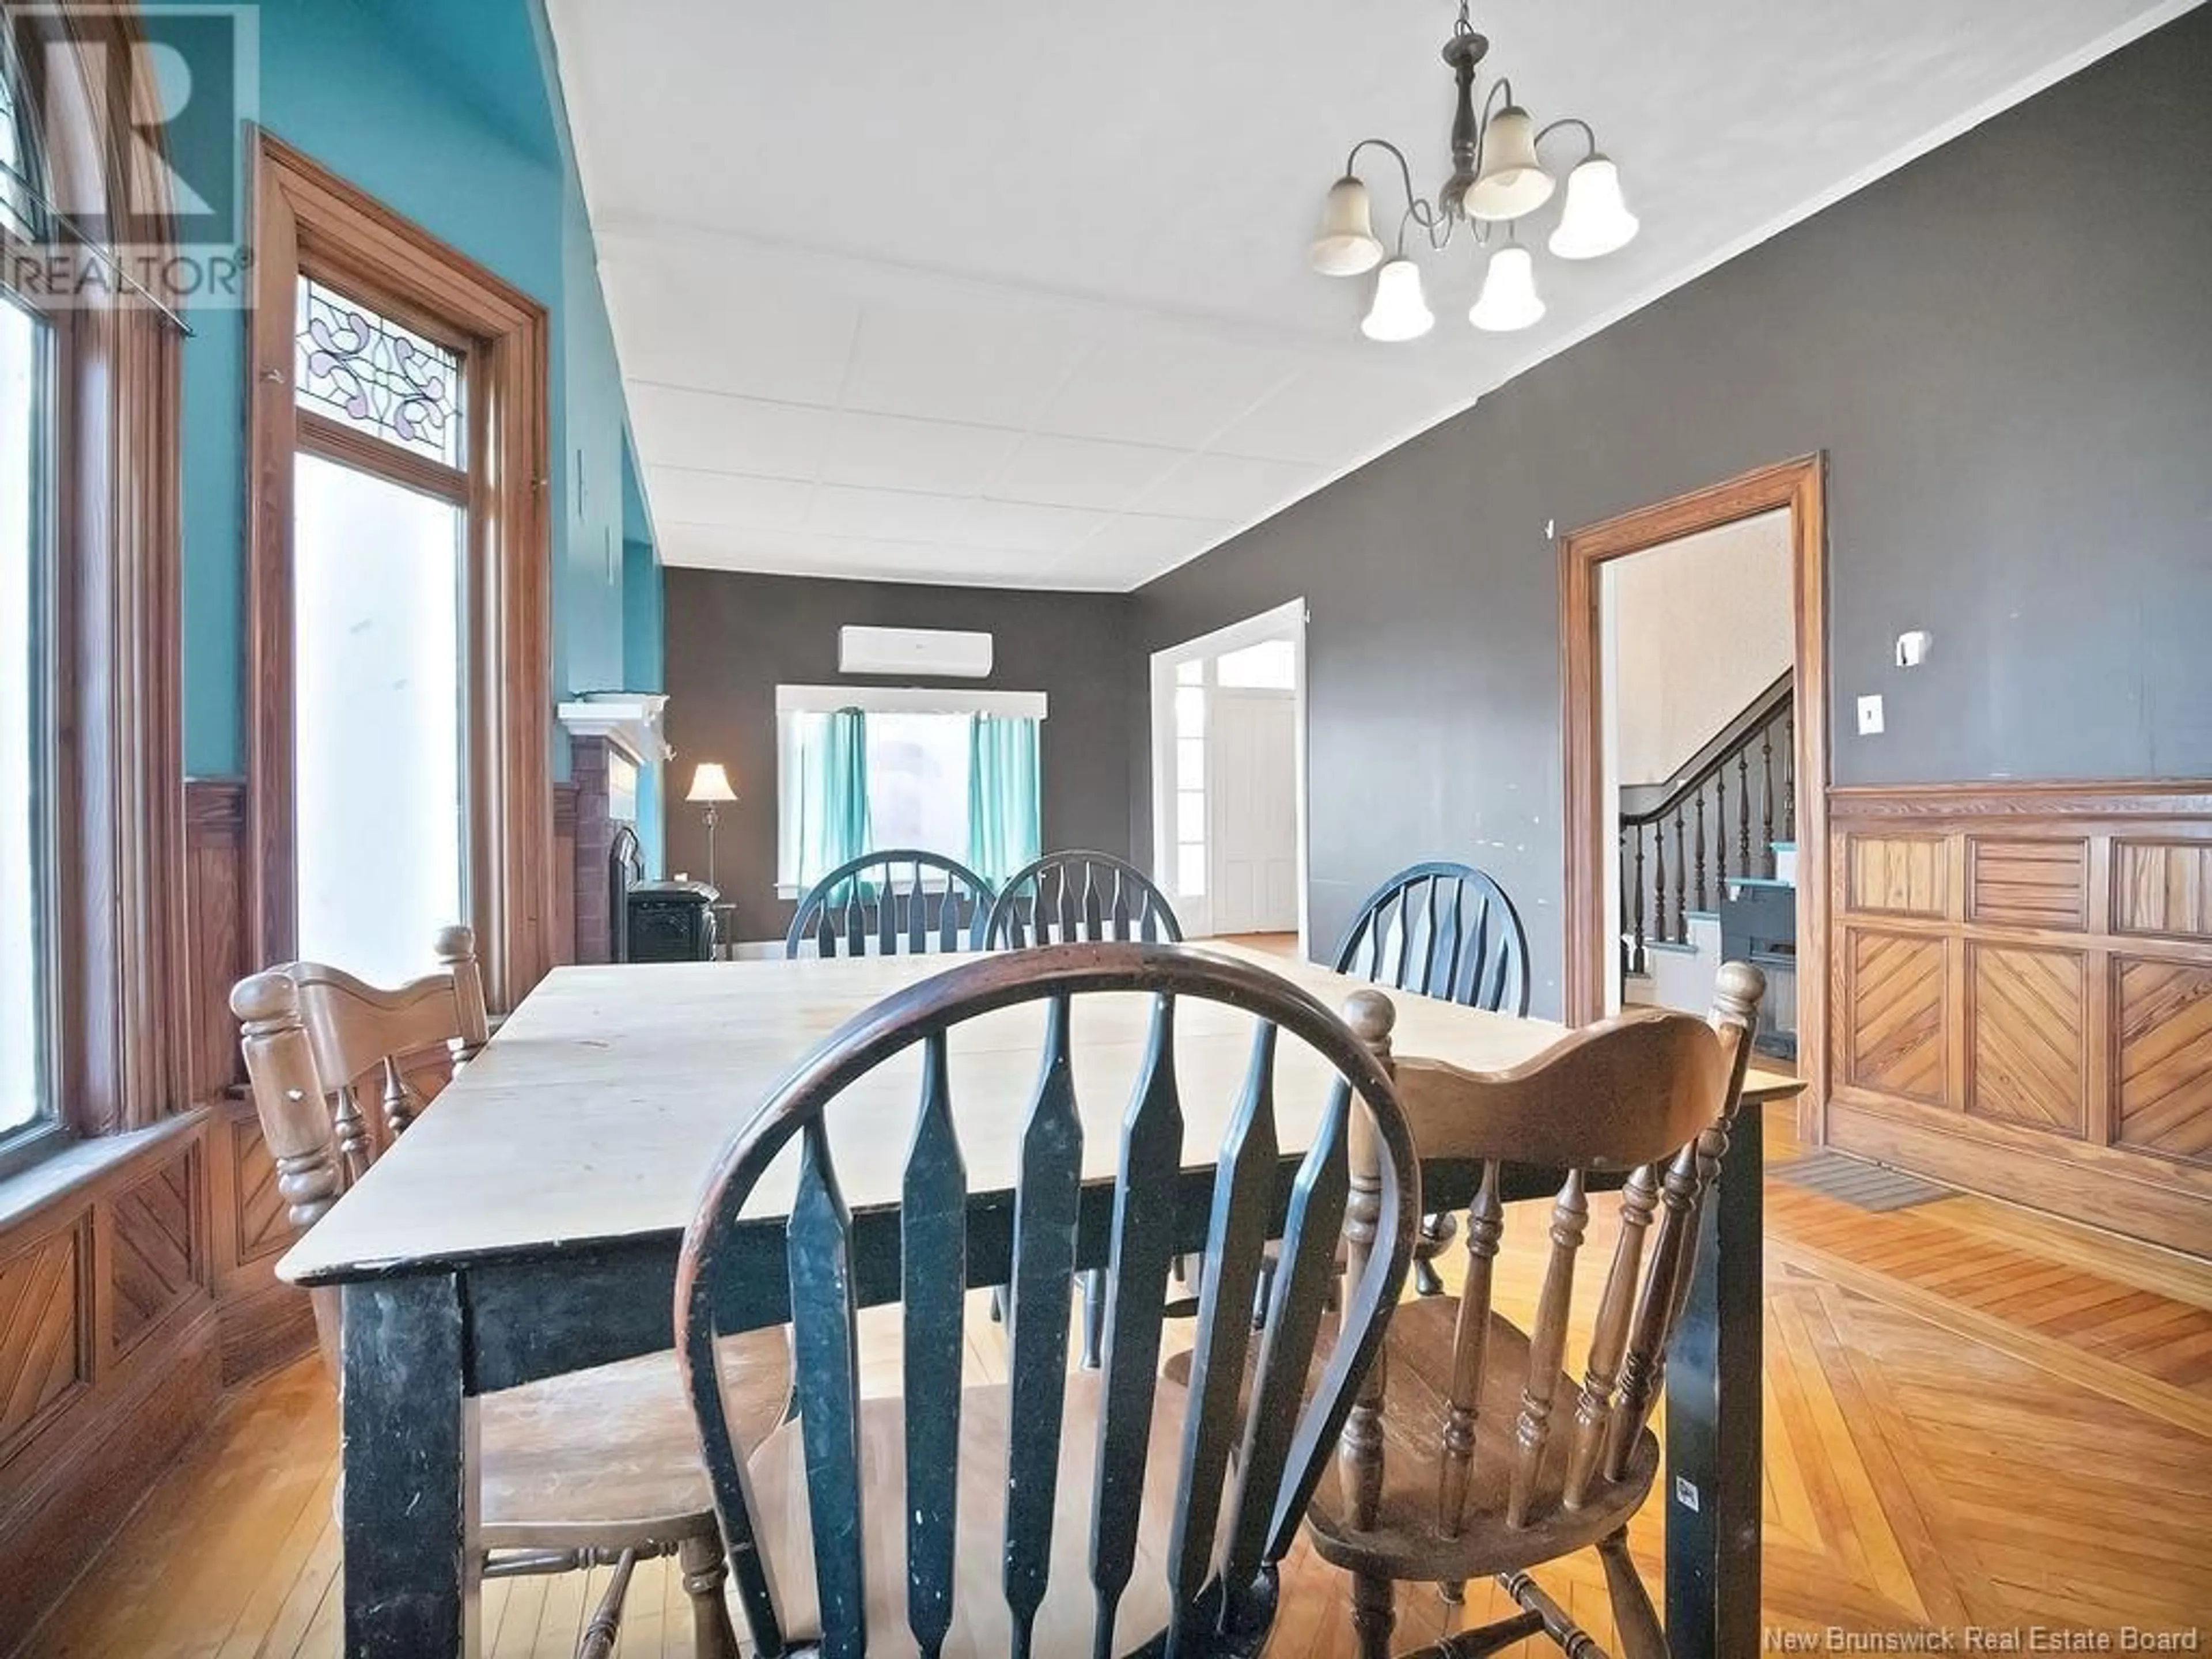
{"x":1974,"y":1417}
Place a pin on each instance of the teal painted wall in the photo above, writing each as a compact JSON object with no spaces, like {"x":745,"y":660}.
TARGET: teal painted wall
{"x":448,"y":112}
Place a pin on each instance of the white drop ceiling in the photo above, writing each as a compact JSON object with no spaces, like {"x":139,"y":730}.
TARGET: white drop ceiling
{"x":991,"y":292}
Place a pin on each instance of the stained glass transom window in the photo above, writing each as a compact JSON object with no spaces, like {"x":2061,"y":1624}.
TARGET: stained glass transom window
{"x":18,"y":198}
{"x":375,"y":375}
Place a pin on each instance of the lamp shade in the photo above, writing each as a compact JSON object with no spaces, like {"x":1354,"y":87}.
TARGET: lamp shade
{"x":1347,"y":245}
{"x":1509,"y":299}
{"x":1400,"y":311}
{"x":710,"y":782}
{"x":1596,"y":220}
{"x":1512,"y":182}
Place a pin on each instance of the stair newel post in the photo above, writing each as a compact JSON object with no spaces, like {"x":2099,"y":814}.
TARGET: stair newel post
{"x":1698,"y":800}
{"x":1681,"y":934}
{"x":1636,"y":888}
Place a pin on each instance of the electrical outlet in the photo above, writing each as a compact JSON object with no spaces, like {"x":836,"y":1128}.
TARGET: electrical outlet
{"x":1869,"y":716}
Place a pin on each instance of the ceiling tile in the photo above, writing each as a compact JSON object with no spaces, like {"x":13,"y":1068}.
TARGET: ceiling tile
{"x":686,"y":495}
{"x":1164,"y":383}
{"x":1335,"y":415}
{"x":726,"y":322}
{"x":964,"y":355}
{"x":716,"y":434}
{"x":897,"y":515}
{"x":887,"y":451}
{"x":1080,"y":471}
{"x":1134,"y":545}
{"x":1227,"y":487}
{"x":1022,"y":526}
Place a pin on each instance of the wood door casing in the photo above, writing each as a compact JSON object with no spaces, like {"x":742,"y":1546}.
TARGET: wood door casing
{"x":2021,"y":994}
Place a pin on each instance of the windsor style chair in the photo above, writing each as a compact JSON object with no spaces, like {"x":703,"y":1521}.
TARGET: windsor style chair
{"x":599,"y":1466}
{"x":1476,"y":1480}
{"x":902,"y":900}
{"x":1446,"y":930}
{"x":1100,"y":1503}
{"x":1064,"y":897}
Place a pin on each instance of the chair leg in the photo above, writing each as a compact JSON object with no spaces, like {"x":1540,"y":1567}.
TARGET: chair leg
{"x":1374,"y":1613}
{"x":1635,"y":1621}
{"x":699,"y":1559}
{"x":599,"y":1640}
{"x":1425,"y":1281}
{"x":1094,"y":1317}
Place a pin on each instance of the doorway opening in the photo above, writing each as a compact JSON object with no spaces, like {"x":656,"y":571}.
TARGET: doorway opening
{"x":1696,"y":738}
{"x":1229,"y":776}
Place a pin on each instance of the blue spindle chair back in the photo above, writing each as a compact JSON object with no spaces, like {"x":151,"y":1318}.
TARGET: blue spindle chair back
{"x":1064,"y":897}
{"x":1234,"y":1482}
{"x":903,"y":902}
{"x":1441,"y":930}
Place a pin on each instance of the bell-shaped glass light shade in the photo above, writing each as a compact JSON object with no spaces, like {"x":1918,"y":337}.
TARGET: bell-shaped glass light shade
{"x":1512,"y":182}
{"x":1400,"y":312}
{"x":1508,"y":300}
{"x":1596,"y":220}
{"x":1347,"y":245}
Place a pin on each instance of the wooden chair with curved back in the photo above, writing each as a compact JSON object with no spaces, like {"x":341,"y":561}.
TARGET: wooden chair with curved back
{"x":1447,"y":930}
{"x":1043,"y":1514}
{"x":1498,"y":1460}
{"x":903,"y":902}
{"x":1064,"y":897}
{"x":598,"y":1466}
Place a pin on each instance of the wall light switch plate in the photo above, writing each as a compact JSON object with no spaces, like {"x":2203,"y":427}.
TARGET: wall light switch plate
{"x":1869,"y":716}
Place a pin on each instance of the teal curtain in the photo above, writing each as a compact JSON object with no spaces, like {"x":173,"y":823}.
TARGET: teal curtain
{"x":833,"y":826}
{"x":1003,"y":832}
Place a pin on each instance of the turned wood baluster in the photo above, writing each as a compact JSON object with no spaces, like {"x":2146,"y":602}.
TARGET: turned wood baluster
{"x":401,"y":1102}
{"x":1766,"y":808}
{"x":1681,"y":933}
{"x":1546,"y":1342}
{"x":1743,"y":812}
{"x":1486,"y":1227}
{"x":349,"y":1123}
{"x":1636,"y":888}
{"x":1697,"y":799}
{"x":1789,"y":777}
{"x":1609,"y":1340}
{"x":1659,"y":884}
{"x":1720,"y":829}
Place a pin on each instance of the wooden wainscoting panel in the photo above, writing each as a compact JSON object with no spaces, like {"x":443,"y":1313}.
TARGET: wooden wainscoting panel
{"x":263,"y":1322}
{"x":2162,"y":1020}
{"x":2029,"y":883}
{"x":1897,"y":875}
{"x":45,"y":1343}
{"x":2162,"y":887}
{"x":2025,"y":1009}
{"x":216,"y":956}
{"x":263,"y":1228}
{"x":1895,"y":1021}
{"x":156,"y":1250}
{"x":2076,"y":930}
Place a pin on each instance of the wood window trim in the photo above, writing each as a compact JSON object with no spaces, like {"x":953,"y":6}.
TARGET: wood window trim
{"x":118,"y":887}
{"x":307,"y":217}
{"x":1798,"y":485}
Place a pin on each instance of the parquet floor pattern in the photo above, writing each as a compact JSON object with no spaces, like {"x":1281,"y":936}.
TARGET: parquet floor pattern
{"x":1974,"y":1417}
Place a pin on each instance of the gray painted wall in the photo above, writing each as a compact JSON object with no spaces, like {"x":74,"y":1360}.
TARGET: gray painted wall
{"x":732,"y":639}
{"x":2005,"y":350}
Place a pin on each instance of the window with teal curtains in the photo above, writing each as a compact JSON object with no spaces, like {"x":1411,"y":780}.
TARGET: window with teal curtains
{"x":830,"y":805}
{"x":1004,"y":831}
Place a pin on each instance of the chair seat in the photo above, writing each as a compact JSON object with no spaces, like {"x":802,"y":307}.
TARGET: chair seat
{"x":1403,"y":1542}
{"x":979,"y":1624}
{"x":609,"y":1456}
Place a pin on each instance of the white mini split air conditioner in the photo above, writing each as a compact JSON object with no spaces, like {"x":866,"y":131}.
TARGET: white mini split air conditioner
{"x":931,"y":652}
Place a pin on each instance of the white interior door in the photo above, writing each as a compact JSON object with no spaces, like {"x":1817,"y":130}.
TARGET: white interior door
{"x":1252,"y":790}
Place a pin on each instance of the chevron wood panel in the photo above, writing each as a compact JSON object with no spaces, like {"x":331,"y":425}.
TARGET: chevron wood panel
{"x":2162,"y":887}
{"x":157,"y":1253}
{"x":1899,"y":875}
{"x":1894,"y":1013}
{"x":45,"y":1356}
{"x":2029,"y":884}
{"x":1974,"y":1416}
{"x":2163,"y":1014}
{"x":2028,"y":1038}
{"x":263,"y":1229}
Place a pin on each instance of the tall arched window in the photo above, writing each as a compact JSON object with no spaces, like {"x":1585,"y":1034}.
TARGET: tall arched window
{"x":92,"y":997}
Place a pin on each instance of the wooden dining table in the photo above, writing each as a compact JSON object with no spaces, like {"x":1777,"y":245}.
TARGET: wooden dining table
{"x":528,"y":1224}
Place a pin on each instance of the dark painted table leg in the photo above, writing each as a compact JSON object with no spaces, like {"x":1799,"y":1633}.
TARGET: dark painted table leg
{"x":408,"y":1437}
{"x":1713,"y":1389}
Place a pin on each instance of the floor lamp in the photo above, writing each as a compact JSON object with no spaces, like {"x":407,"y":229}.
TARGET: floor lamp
{"x":710,"y":787}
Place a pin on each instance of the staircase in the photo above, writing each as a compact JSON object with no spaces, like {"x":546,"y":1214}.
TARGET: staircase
{"x":1724,"y":823}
